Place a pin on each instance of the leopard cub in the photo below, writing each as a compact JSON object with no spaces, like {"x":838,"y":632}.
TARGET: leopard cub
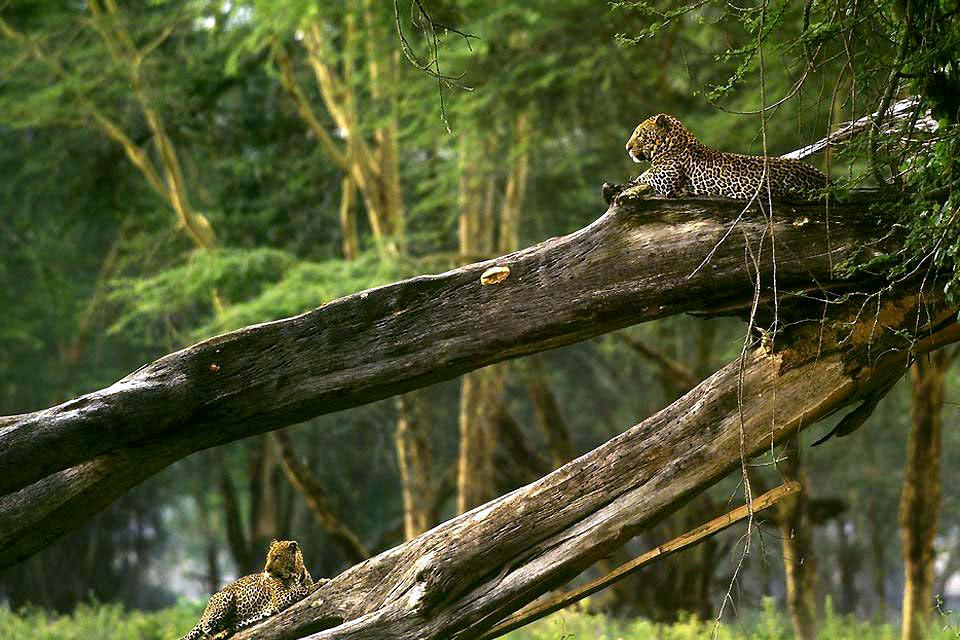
{"x":283,"y":581}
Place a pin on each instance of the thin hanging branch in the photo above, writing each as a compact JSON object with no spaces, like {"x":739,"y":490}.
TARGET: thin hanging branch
{"x":431,"y":67}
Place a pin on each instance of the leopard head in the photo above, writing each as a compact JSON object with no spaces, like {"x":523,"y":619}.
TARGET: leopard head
{"x":284,"y":559}
{"x":656,"y":135}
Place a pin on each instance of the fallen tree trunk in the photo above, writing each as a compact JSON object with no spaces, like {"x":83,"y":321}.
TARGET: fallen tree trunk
{"x":461,"y":578}
{"x":626,"y":267}
{"x":60,"y":465}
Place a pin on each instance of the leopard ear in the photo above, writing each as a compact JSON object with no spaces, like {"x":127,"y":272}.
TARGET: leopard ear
{"x":662,"y":121}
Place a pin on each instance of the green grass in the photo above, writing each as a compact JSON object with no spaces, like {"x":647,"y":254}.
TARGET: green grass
{"x":111,"y":622}
{"x":103,"y":622}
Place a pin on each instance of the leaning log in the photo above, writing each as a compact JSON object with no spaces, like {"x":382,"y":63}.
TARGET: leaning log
{"x":59,"y":466}
{"x":460,"y":579}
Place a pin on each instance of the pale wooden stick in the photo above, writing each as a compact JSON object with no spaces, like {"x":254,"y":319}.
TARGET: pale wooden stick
{"x":688,"y":539}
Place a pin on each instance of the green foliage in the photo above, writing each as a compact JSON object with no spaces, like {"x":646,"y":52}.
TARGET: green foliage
{"x":819,"y":63}
{"x":106,"y":621}
{"x":932,"y":218}
{"x":111,"y":622}
{"x":232,"y":288}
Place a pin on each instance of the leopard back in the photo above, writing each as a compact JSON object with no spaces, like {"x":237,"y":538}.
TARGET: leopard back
{"x":680,"y":164}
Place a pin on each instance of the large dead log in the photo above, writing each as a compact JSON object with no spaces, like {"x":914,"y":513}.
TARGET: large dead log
{"x":625,"y":268}
{"x":59,"y":466}
{"x":459,"y":579}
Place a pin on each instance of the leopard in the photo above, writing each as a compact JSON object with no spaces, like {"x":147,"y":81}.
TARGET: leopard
{"x":682,"y":165}
{"x":245,"y":602}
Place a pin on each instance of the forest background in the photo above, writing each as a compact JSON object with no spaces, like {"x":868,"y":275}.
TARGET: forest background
{"x":174,"y":170}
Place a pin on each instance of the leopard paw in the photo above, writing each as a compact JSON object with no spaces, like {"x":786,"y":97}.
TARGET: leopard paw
{"x":633,"y":192}
{"x":611,"y":190}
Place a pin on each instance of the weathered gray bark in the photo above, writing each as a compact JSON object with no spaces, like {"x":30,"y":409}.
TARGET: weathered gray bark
{"x":58,"y":466}
{"x":628,"y":266}
{"x":460,"y":578}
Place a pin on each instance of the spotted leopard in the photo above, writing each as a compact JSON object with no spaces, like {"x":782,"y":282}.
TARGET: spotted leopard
{"x":283,"y":581}
{"x":681,"y":164}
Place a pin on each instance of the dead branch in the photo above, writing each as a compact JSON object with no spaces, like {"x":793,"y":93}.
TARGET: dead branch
{"x":685,"y":541}
{"x":60,"y":465}
{"x":462,"y":578}
{"x":889,"y":123}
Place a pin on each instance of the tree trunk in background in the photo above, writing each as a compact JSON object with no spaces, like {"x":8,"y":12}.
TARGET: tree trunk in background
{"x":481,"y":392}
{"x":415,"y":460}
{"x":920,"y":497}
{"x":548,"y":416}
{"x":849,"y":565}
{"x":516,"y":188}
{"x":233,"y":518}
{"x":878,"y":556}
{"x":796,"y":534}
{"x":372,"y":166}
{"x":706,"y":340}
{"x":263,"y":497}
{"x":475,"y":198}
{"x":348,"y":219}
{"x":211,"y":578}
{"x":526,"y":462}
{"x":248,"y":538}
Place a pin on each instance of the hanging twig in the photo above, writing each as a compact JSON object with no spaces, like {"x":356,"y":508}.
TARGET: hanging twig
{"x":431,"y":67}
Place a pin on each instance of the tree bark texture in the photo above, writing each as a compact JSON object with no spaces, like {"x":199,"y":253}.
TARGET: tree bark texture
{"x":920,"y":495}
{"x":796,"y":535}
{"x":60,"y":465}
{"x":457,"y":580}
